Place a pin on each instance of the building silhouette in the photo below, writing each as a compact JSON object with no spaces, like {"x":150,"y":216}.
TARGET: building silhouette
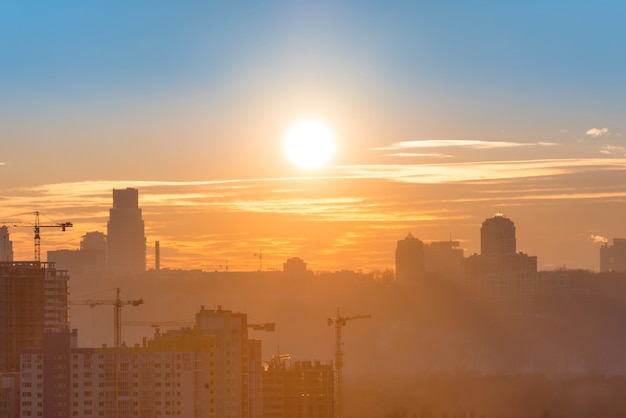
{"x":88,"y":261}
{"x":33,"y":300}
{"x":410,"y":260}
{"x":126,"y":242}
{"x":295,"y":267}
{"x":304,"y":390}
{"x":500,"y":269}
{"x":6,"y":245}
{"x":444,"y":259}
{"x":613,"y":257}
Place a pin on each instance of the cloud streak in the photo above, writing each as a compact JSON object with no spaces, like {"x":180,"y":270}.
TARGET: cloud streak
{"x":463,"y":143}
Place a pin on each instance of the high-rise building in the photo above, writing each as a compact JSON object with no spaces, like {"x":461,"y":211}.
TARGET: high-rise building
{"x":170,"y":375}
{"x":304,"y":390}
{"x":410,"y":260}
{"x":33,"y":300}
{"x":6,"y":246}
{"x":89,"y":261}
{"x":232,"y":366}
{"x":613,"y":257}
{"x":126,"y":242}
{"x":497,"y":236}
{"x":500,"y":269}
{"x":209,"y":371}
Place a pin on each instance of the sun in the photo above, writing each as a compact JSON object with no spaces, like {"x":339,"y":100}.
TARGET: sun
{"x":310,"y":144}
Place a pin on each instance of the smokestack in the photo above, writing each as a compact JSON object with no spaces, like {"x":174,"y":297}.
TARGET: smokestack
{"x":157,"y":255}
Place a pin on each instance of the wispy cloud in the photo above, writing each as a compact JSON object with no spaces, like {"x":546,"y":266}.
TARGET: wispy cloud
{"x":613,"y":150}
{"x":465,"y":143}
{"x":418,"y":154}
{"x":596,"y":132}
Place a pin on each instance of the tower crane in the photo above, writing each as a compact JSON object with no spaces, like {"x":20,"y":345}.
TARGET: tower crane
{"x":118,"y":304}
{"x":36,"y":227}
{"x":340,"y":322}
{"x":267,"y":326}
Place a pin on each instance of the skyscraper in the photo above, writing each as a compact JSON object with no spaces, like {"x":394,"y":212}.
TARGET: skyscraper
{"x":125,"y":234}
{"x":410,"y":260}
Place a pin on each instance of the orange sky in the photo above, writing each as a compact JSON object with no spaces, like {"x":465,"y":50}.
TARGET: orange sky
{"x":443,"y":117}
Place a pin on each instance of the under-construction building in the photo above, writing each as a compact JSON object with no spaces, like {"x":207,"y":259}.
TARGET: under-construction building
{"x":33,"y":300}
{"x":302,"y":390}
{"x":6,"y":245}
{"x":126,"y":241}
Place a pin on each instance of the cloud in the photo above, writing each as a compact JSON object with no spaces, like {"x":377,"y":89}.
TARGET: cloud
{"x":595,"y":132}
{"x":418,"y":154}
{"x":613,"y":150}
{"x":465,"y":143}
{"x":598,"y":239}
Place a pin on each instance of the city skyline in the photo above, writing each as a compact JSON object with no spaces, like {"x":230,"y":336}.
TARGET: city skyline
{"x":443,"y":115}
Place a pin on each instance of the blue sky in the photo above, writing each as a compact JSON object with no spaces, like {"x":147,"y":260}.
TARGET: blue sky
{"x":131,"y":92}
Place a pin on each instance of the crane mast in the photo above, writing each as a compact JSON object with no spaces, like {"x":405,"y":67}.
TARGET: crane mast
{"x":37,"y":229}
{"x":340,"y":322}
{"x":118,"y":304}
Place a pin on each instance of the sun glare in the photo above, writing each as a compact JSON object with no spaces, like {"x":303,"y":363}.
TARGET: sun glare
{"x":310,"y":144}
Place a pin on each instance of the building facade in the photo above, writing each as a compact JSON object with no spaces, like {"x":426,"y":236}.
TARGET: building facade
{"x":302,"y":390}
{"x":209,"y":371}
{"x":33,"y":300}
{"x":126,"y":241}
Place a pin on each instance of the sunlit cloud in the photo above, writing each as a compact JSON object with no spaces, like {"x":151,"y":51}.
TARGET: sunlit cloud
{"x":598,"y":239}
{"x":596,"y":132}
{"x":464,"y":143}
{"x":613,"y":150}
{"x":476,"y":171}
{"x":418,"y":154}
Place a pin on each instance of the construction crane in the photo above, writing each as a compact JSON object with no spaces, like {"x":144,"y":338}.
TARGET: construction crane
{"x":118,"y":304}
{"x":267,"y":326}
{"x":340,"y":322}
{"x":36,"y":227}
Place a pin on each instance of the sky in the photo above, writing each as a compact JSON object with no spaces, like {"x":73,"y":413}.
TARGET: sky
{"x":444,"y":113}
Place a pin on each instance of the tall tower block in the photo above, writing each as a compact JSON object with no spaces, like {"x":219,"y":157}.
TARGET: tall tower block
{"x":126,"y":240}
{"x":410,"y":260}
{"x":497,"y":236}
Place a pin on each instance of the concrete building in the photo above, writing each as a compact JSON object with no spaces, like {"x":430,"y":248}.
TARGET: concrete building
{"x":89,"y":261}
{"x":209,"y":371}
{"x":171,"y":375}
{"x":499,"y":269}
{"x":410,"y":265}
{"x":126,"y":241}
{"x":6,"y":245}
{"x":304,"y":390}
{"x":33,"y":300}
{"x":232,"y":365}
{"x":10,"y":395}
{"x":613,"y":257}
